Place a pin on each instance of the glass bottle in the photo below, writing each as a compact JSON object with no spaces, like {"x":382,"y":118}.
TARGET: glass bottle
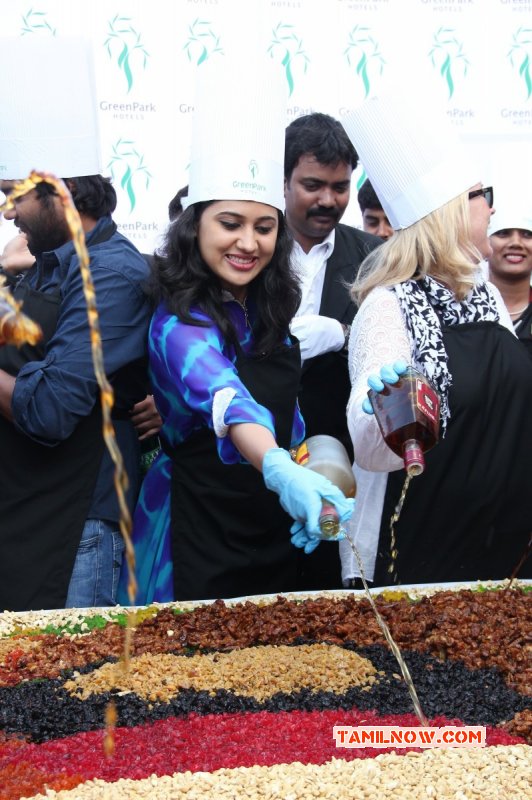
{"x":408,"y":415}
{"x":328,"y":456}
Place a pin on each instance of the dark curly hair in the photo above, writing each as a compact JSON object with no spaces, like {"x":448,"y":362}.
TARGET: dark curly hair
{"x":93,"y":195}
{"x":182,"y":280}
{"x":367,"y":197}
{"x":175,"y":206}
{"x":322,"y":136}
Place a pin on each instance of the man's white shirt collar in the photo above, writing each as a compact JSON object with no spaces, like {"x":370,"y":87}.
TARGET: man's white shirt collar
{"x":321,"y":250}
{"x":310,"y":269}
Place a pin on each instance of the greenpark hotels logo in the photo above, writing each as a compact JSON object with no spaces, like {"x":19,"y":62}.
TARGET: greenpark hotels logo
{"x":124,"y":44}
{"x":253,"y":185}
{"x":289,"y":46}
{"x":127,"y":164}
{"x":363,"y":53}
{"x":202,"y":42}
{"x":35,"y":22}
{"x":448,"y":57}
{"x":519,"y":56}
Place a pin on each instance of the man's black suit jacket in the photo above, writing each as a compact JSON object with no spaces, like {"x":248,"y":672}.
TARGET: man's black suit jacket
{"x":325,"y":386}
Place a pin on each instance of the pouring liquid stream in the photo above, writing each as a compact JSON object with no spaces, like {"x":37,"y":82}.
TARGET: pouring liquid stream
{"x":327,"y":455}
{"x":405,"y":672}
{"x":394,"y":552}
{"x":24,"y":329}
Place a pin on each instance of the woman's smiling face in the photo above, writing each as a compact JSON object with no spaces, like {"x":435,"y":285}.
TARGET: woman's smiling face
{"x":512,"y":253}
{"x":237,"y":239}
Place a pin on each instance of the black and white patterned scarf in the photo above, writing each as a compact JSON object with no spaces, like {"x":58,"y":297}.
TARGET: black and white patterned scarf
{"x":426,"y":305}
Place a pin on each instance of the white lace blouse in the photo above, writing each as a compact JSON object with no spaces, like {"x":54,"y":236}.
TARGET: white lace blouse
{"x":378,"y":337}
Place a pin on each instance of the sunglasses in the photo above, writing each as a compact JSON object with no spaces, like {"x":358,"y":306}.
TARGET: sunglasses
{"x":486,"y":192}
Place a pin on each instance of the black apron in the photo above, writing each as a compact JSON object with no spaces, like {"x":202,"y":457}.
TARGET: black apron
{"x":45,"y":492}
{"x":523,"y":329}
{"x":469,"y":515}
{"x":230,"y":536}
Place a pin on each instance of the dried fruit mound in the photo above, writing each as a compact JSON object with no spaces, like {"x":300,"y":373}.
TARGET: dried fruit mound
{"x":229,"y":687}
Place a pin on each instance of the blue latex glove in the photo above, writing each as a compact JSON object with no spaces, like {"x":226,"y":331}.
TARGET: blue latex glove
{"x":300,"y":492}
{"x":390,"y":373}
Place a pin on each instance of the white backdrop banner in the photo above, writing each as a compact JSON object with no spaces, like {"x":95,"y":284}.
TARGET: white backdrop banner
{"x":476,"y":53}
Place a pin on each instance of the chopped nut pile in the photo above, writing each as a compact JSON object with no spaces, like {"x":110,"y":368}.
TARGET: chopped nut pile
{"x":258,"y":672}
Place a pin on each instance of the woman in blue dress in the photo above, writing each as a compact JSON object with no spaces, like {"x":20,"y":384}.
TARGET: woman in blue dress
{"x":225,"y":375}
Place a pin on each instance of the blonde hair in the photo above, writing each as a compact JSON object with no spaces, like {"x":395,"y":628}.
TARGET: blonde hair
{"x":438,"y":245}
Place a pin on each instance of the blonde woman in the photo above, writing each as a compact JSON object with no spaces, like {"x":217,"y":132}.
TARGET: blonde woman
{"x":424,"y":303}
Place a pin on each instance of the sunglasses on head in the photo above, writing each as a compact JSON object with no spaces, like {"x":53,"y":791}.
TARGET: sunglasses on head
{"x":486,"y":192}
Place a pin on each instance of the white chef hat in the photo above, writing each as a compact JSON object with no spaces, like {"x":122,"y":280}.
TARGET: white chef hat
{"x":238,"y":132}
{"x":48,"y":108}
{"x":512,"y":188}
{"x":511,"y":213}
{"x":410,"y":152}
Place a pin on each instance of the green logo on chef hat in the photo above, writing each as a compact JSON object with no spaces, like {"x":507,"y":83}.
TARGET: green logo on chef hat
{"x":35,"y":21}
{"x":520,"y":56}
{"x":287,"y":43}
{"x":362,"y":52}
{"x":361,"y":179}
{"x":202,"y":42}
{"x":123,"y":43}
{"x":447,"y":55}
{"x":127,"y":165}
{"x":253,"y":168}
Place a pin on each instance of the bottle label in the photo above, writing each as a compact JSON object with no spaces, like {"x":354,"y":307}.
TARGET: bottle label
{"x":427,"y":400}
{"x":302,"y":454}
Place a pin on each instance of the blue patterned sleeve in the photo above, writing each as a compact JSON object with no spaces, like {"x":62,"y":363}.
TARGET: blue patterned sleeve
{"x":189,"y":365}
{"x":298,"y":428}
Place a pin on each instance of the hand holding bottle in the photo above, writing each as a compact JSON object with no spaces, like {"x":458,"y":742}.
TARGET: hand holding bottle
{"x":301,"y":493}
{"x":407,"y":410}
{"x":389,"y":373}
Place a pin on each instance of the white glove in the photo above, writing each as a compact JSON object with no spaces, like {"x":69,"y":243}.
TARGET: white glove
{"x":317,"y":334}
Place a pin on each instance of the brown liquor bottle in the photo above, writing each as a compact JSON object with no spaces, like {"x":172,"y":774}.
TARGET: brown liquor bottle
{"x":408,"y":415}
